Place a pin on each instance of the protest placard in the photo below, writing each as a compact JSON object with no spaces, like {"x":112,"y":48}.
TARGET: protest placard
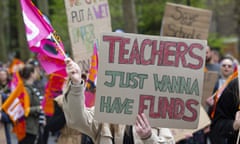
{"x":185,"y":22}
{"x":160,"y":76}
{"x":204,"y":121}
{"x":210,"y":79}
{"x":86,"y":20}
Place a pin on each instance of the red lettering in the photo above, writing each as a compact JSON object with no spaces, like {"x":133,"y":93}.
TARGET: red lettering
{"x":179,"y":108}
{"x":180,"y":54}
{"x":112,"y":41}
{"x":193,"y":55}
{"x":135,"y":54}
{"x":123,"y":51}
{"x":169,"y":53}
{"x":175,"y":108}
{"x":147,"y":52}
{"x":159,"y":53}
{"x":168,"y":108}
{"x":142,"y":105}
{"x":189,"y":104}
{"x":152,"y":44}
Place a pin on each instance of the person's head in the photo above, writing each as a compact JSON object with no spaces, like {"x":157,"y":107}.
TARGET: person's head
{"x":36,"y":66}
{"x":4,"y":76}
{"x":28,"y":72}
{"x":215,"y":56}
{"x":208,"y":55}
{"x":226,"y":67}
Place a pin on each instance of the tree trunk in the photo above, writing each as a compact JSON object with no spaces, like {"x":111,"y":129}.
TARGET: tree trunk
{"x":23,"y":48}
{"x":3,"y":34}
{"x":237,"y":13}
{"x":129,"y":14}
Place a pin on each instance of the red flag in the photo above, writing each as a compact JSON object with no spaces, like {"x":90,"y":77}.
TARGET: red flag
{"x":17,"y":105}
{"x":15,"y":65}
{"x":53,"y":88}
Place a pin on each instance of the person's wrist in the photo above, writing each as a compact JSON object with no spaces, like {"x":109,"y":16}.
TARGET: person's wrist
{"x":147,"y":136}
{"x":77,"y":82}
{"x":235,"y":125}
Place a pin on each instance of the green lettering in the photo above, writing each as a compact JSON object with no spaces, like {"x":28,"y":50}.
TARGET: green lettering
{"x":195,"y":88}
{"x":116,"y":106}
{"x":176,"y":84}
{"x":105,"y":104}
{"x":185,"y":86}
{"x":114,"y":74}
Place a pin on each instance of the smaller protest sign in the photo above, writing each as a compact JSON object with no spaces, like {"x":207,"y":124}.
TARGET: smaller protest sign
{"x":210,"y":79}
{"x":185,"y":22}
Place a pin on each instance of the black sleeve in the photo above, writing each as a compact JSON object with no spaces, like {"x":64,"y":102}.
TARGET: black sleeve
{"x":57,"y":121}
{"x":226,"y":109}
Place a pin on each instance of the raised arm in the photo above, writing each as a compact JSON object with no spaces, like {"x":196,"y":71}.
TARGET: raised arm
{"x":77,"y":115}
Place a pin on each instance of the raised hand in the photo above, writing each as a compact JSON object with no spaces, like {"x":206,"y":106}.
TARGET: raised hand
{"x":143,"y":127}
{"x":73,"y":70}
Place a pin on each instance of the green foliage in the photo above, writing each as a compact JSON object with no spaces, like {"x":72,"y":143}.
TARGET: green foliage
{"x":214,"y":40}
{"x":115,"y":8}
{"x":58,"y":20}
{"x":219,"y":42}
{"x":149,"y":13}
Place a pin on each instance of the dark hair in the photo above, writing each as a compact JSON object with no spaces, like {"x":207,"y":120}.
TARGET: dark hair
{"x":33,"y":62}
{"x":26,"y":71}
{"x":227,"y":57}
{"x":84,"y":77}
{"x":7,"y":72}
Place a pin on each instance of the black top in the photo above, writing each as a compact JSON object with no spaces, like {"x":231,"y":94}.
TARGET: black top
{"x":222,"y":131}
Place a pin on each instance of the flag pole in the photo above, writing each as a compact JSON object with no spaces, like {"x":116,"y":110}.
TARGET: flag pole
{"x":59,"y":46}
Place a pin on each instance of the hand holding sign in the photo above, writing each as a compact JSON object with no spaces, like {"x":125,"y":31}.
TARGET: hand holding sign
{"x":143,"y":127}
{"x":73,"y":70}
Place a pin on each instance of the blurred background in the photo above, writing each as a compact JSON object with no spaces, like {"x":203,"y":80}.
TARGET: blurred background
{"x":131,"y":16}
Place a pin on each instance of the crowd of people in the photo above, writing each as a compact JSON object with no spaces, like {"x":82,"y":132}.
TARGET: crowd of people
{"x":73,"y":122}
{"x":38,"y":125}
{"x":223,"y":105}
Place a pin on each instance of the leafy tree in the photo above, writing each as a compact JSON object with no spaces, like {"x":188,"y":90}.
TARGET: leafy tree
{"x":149,"y":14}
{"x":116,"y":12}
{"x":3,"y":20}
{"x":58,"y":20}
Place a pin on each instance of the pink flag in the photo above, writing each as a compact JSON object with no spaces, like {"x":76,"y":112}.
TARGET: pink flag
{"x":42,"y":38}
{"x":91,"y":82}
{"x":94,"y":64}
{"x":50,"y":58}
{"x":36,"y":26}
{"x":51,"y":65}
